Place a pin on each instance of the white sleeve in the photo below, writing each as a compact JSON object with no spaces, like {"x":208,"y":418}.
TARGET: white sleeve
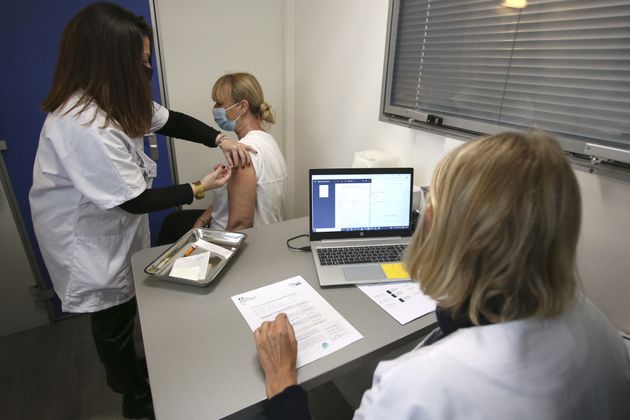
{"x":99,"y":163}
{"x":255,"y":157}
{"x":393,"y":395}
{"x":160,"y":116}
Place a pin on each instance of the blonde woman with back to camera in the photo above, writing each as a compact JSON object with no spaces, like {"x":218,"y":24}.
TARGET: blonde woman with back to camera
{"x":516,"y":338}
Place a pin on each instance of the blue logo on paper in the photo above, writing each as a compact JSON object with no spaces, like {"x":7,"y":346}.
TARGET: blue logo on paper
{"x":324,"y":345}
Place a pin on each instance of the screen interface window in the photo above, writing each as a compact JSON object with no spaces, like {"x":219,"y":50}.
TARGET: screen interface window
{"x":360,"y":202}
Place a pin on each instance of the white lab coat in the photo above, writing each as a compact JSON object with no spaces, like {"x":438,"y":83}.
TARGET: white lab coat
{"x":82,"y":172}
{"x":571,"y":367}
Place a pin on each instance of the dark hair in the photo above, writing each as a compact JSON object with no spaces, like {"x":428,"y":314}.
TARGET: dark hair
{"x":101,"y":54}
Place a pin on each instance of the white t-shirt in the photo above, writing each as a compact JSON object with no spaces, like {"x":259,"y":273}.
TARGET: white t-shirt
{"x":82,"y":172}
{"x":573,"y":367}
{"x":271,"y":183}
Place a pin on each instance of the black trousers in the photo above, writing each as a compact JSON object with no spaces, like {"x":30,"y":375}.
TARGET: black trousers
{"x":112,"y":330}
{"x":176,"y":224}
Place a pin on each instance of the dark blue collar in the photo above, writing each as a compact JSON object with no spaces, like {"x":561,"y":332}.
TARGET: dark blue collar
{"x":448,"y":324}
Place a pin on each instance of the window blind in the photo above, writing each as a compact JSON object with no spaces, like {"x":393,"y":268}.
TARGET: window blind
{"x":563,"y":66}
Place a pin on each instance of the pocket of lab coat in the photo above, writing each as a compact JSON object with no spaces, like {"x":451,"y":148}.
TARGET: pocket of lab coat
{"x":99,"y":263}
{"x":148,"y":166}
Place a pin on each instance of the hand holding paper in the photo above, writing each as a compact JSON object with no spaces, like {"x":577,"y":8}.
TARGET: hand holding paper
{"x":319,"y":328}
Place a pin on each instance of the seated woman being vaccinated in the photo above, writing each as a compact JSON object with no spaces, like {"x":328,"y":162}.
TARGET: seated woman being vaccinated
{"x":256,"y":194}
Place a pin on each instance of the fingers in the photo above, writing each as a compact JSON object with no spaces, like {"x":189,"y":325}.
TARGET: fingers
{"x":237,"y":154}
{"x":223,"y":171}
{"x":238,"y":161}
{"x":243,"y":158}
{"x":272,"y":327}
{"x":289,"y":328}
{"x":245,"y":151}
{"x":229,"y":159}
{"x":263,"y":329}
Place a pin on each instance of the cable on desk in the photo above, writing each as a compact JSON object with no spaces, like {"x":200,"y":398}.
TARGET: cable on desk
{"x":301,"y":248}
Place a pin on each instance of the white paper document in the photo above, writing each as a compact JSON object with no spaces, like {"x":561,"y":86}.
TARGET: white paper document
{"x":216,"y":249}
{"x":402,"y":300}
{"x":194,"y":267}
{"x":319,"y":328}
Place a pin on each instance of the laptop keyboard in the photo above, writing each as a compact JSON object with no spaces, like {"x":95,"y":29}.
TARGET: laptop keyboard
{"x":360,"y":254}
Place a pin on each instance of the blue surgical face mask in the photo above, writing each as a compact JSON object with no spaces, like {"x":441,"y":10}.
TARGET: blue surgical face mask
{"x":220,"y":116}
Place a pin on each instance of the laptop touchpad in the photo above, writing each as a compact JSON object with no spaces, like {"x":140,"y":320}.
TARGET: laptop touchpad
{"x":364,"y":272}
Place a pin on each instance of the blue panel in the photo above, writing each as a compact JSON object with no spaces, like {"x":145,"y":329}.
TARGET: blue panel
{"x":29,"y":40}
{"x":323,"y":207}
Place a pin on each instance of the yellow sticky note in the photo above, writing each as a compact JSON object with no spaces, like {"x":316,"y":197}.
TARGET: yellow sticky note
{"x":395,"y":271}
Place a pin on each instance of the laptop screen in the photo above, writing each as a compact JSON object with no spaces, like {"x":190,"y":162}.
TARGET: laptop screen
{"x":360,"y":202}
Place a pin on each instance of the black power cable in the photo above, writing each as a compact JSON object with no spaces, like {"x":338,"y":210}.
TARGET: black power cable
{"x":301,"y":248}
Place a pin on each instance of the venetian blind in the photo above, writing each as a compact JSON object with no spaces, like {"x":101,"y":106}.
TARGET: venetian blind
{"x":563,"y":66}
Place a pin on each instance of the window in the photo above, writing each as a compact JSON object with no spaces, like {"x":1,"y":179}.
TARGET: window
{"x":479,"y":66}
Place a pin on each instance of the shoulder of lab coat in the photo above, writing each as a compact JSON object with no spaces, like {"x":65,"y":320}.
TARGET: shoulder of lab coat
{"x":573,"y":366}
{"x":160,"y":116}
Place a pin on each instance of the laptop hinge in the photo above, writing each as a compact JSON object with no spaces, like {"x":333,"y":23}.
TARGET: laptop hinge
{"x":372,"y":239}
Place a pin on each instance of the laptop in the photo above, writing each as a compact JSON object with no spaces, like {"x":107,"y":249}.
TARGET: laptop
{"x":360,"y":224}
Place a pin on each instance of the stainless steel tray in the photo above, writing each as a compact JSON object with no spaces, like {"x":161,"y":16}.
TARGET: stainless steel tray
{"x":230,"y":241}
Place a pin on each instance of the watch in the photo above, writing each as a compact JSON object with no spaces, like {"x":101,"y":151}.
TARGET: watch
{"x":199,"y":191}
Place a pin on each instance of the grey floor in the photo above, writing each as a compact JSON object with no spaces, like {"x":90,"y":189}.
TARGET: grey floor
{"x":53,"y":372}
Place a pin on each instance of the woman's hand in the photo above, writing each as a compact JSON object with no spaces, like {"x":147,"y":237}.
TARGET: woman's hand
{"x":216,"y":178}
{"x":236,"y":154}
{"x":277,"y":352}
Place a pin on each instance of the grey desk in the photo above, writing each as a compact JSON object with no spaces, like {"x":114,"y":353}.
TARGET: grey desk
{"x":200,"y":352}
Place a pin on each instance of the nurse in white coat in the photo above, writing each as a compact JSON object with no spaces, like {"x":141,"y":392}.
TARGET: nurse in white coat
{"x":515,"y":339}
{"x":92,"y":181}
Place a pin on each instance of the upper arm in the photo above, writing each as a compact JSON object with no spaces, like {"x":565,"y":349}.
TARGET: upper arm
{"x":241,"y":198}
{"x":160,"y":116}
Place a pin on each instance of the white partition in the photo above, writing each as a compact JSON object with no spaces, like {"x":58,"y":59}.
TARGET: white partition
{"x":18,"y":311}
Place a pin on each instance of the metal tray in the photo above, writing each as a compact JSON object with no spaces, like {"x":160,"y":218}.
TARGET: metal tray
{"x":230,"y":241}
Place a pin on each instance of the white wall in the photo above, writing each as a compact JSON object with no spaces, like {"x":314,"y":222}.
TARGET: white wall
{"x":604,"y":249}
{"x":202,"y":40}
{"x":339,"y":51}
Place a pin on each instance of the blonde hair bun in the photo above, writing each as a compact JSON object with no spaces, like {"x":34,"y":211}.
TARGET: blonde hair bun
{"x":266,"y":114}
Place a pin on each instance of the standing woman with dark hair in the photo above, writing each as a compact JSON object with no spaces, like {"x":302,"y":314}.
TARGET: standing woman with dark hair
{"x":92,"y":181}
